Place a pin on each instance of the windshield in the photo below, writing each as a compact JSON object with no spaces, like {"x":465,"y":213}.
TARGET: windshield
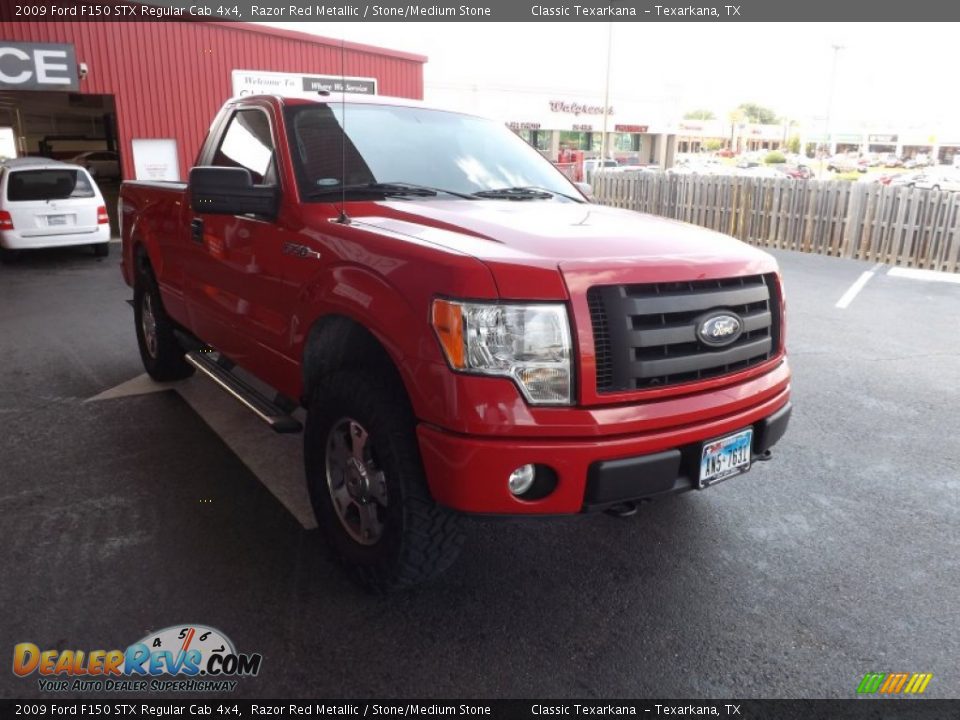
{"x":57,"y":184}
{"x":387,"y":144}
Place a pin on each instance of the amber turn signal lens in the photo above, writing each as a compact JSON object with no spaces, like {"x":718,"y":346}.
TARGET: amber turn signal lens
{"x":448,"y":322}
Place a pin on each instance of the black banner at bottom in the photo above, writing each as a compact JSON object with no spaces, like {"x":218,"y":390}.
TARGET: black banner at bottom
{"x":853,"y":709}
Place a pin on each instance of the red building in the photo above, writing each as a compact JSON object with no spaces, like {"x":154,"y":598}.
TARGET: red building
{"x":143,"y":88}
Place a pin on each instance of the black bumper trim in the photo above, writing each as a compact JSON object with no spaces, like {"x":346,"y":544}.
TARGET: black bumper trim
{"x":645,"y":477}
{"x":768,"y":431}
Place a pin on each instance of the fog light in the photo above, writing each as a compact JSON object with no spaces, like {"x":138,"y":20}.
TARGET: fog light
{"x":521,"y":479}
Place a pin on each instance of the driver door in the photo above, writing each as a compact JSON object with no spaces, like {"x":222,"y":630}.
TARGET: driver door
{"x":237,"y":299}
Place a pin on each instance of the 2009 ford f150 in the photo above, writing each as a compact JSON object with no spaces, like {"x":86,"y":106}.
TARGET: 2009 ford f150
{"x":466,"y":332}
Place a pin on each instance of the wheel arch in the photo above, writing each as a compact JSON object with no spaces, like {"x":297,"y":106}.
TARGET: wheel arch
{"x":140,"y":256}
{"x":337,"y":342}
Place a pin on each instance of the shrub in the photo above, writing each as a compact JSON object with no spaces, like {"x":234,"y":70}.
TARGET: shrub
{"x":774,"y":156}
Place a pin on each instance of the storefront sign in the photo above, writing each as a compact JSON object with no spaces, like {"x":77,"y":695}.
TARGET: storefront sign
{"x":560,"y":106}
{"x":883,"y":139}
{"x":631,"y":128}
{"x":583,"y":128}
{"x":514,"y":125}
{"x":38,"y":66}
{"x":360,"y":86}
{"x":255,"y":82}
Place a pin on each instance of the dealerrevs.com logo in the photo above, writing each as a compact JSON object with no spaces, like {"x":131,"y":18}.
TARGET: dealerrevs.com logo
{"x":179,"y":658}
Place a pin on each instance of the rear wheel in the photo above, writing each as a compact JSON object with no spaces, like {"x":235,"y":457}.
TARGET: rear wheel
{"x":160,"y":351}
{"x":8,"y":256}
{"x":101,"y":249}
{"x":367,"y":484}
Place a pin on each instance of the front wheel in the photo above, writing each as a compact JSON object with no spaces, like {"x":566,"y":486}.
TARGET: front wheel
{"x":367,"y":484}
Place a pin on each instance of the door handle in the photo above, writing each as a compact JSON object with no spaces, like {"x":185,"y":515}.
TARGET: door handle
{"x":196,"y":230}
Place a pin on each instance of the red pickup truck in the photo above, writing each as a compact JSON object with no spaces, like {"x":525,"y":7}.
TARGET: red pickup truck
{"x":466,"y":332}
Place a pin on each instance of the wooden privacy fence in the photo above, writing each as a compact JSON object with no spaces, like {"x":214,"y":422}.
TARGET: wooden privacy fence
{"x":893,"y":225}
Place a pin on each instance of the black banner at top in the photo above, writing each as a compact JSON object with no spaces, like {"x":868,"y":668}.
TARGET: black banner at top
{"x":548,"y":11}
{"x":231,"y":708}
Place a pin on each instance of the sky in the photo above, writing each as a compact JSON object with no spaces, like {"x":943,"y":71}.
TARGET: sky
{"x":888,"y":76}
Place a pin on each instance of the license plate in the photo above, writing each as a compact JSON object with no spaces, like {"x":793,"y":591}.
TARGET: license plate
{"x":56,"y":219}
{"x":725,"y":457}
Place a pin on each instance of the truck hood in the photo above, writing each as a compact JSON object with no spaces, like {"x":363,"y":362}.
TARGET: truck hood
{"x":525,"y":241}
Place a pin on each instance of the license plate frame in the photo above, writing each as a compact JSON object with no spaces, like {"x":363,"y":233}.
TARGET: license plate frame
{"x":723,"y":458}
{"x":57,"y":220}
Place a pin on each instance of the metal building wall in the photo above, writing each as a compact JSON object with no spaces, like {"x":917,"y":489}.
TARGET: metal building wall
{"x":170,"y":78}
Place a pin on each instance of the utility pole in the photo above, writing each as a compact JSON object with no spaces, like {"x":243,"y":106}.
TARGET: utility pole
{"x":826,"y":121}
{"x":606,"y":96}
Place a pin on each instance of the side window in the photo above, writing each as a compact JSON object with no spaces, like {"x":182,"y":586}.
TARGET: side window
{"x":248,"y":143}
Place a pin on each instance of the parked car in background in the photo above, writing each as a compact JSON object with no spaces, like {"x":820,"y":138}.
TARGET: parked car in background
{"x":918,"y":161}
{"x":101,"y":164}
{"x":846,"y":163}
{"x":46,"y":203}
{"x":594,"y":164}
{"x":797,"y":172}
{"x":905,"y":179}
{"x":891,"y":160}
{"x":940,"y":179}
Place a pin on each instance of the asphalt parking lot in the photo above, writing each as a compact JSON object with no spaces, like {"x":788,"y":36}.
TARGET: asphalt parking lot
{"x":143,"y":509}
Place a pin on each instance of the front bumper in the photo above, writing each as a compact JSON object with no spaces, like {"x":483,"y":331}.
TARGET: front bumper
{"x":469,"y":473}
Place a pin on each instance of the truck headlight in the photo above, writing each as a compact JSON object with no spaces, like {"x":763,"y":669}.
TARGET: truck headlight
{"x":528,"y":343}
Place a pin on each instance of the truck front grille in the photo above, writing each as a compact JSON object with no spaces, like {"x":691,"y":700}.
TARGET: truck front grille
{"x":645,"y":336}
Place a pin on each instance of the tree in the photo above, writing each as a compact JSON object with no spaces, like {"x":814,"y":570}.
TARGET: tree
{"x":713,"y":144}
{"x":793,"y":145}
{"x":758,"y":114}
{"x":699,"y":115}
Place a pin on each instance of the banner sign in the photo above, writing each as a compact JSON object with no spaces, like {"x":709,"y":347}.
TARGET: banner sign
{"x":38,"y":66}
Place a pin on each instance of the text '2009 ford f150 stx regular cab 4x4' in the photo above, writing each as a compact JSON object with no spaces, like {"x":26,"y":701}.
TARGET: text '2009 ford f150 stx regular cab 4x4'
{"x":465,"y":331}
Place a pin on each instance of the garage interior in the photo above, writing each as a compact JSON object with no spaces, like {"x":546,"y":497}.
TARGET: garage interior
{"x":61,"y":126}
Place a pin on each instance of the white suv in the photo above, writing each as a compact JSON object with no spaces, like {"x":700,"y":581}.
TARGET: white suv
{"x":45,"y":203}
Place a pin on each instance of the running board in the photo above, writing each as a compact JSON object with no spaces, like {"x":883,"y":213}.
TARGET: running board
{"x":266,"y":410}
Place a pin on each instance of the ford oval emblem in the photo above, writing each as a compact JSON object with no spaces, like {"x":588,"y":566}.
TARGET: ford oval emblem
{"x":719,"y":329}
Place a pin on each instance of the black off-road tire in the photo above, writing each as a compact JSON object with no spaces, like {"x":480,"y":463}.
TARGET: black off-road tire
{"x":167,"y":362}
{"x":420,"y":539}
{"x":101,"y":250}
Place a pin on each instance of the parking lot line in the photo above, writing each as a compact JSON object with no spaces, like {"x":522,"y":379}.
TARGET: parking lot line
{"x":844,"y":302}
{"x":140,"y":385}
{"x":276,"y":460}
{"x":929,"y":275}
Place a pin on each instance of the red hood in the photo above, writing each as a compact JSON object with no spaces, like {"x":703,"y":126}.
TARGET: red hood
{"x":525,"y":242}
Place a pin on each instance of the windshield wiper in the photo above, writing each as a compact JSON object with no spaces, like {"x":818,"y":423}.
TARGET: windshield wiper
{"x":388,"y":189}
{"x":434,"y":190}
{"x":527,"y":192}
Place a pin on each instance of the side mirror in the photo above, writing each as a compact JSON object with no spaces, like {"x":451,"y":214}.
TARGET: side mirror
{"x":230,"y":191}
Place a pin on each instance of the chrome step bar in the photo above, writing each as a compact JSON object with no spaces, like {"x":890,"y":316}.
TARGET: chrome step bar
{"x":267,"y":410}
